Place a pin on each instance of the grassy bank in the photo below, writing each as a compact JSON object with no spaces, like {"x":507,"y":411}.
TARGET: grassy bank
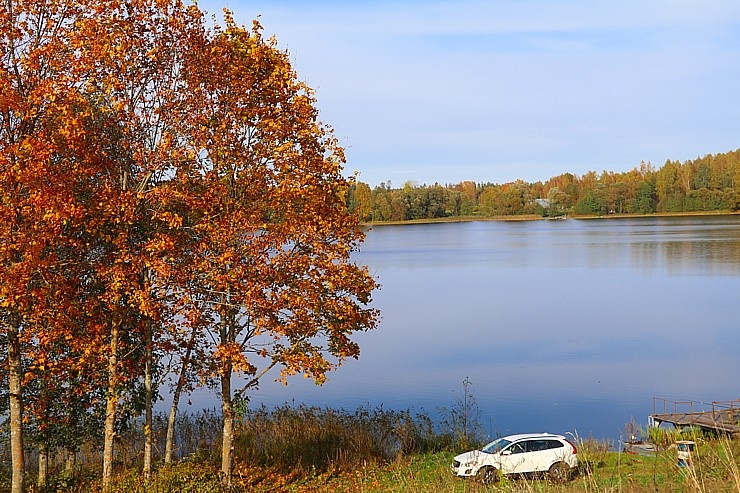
{"x":715,"y":469}
{"x":316,"y":450}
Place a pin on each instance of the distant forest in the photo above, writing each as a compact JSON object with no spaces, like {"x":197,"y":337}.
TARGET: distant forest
{"x":706,"y":184}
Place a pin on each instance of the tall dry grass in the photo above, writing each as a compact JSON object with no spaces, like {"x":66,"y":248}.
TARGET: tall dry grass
{"x":312,"y":449}
{"x":311,"y":439}
{"x":289,"y":440}
{"x":714,"y":466}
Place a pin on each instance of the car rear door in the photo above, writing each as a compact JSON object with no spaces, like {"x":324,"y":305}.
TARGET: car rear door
{"x":543,"y":453}
{"x":531,"y":455}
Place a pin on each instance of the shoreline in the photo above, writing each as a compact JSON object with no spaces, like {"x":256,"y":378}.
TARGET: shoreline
{"x":535,"y":217}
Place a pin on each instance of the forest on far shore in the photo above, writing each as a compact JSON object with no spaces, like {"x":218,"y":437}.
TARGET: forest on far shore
{"x":704,"y":184}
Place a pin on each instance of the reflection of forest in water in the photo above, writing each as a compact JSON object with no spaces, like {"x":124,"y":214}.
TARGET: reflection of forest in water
{"x":675,"y":245}
{"x":721,"y":257}
{"x":706,"y":246}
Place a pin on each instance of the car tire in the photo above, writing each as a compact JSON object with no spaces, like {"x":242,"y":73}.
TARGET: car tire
{"x":559,"y":473}
{"x":488,"y":475}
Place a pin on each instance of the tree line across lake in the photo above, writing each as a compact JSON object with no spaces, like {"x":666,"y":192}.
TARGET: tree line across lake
{"x":707,"y":184}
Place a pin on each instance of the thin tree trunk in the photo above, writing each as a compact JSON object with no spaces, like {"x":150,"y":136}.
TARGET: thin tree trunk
{"x":169,"y":441}
{"x":15,"y":377}
{"x":112,"y":403}
{"x":227,"y":444}
{"x":227,"y":407}
{"x":43,"y":466}
{"x":149,"y":396}
{"x":168,"y":445}
{"x":69,"y":463}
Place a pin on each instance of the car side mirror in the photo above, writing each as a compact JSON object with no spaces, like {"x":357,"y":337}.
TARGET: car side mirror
{"x":506,"y":452}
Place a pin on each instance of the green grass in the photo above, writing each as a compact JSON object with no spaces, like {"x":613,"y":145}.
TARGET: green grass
{"x":602,"y":472}
{"x":715,"y":470}
{"x":314,"y":450}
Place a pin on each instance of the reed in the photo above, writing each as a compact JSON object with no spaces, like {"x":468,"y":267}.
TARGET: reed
{"x":322,"y":439}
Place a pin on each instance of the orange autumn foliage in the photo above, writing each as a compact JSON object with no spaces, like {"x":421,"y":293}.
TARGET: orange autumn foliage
{"x":164,"y":179}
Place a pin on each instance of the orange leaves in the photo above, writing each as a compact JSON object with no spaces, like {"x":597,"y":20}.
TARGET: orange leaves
{"x":158,"y":172}
{"x":230,"y":354}
{"x":310,"y":363}
{"x":274,"y":237}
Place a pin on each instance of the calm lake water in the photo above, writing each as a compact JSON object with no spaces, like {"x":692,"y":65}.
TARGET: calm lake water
{"x":561,"y":326}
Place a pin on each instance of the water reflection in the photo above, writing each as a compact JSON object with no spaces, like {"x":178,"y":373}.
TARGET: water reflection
{"x":561,"y":325}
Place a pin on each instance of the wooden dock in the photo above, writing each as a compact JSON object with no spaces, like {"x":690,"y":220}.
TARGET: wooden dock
{"x":717,"y":417}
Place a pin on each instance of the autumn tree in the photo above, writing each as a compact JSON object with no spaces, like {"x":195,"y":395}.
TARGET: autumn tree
{"x":44,"y":156}
{"x":362,"y":201}
{"x":132,"y":52}
{"x":469,"y":202}
{"x":668,"y":189}
{"x":146,"y":190}
{"x":271,"y":232}
{"x":381,"y":204}
{"x":566,"y":183}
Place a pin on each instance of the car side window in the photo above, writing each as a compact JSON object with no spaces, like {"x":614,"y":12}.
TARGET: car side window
{"x":551,"y":444}
{"x":518,"y":448}
{"x":540,"y":445}
{"x":534,"y":446}
{"x":537,"y":445}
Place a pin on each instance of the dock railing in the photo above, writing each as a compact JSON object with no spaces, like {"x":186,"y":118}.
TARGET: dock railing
{"x":677,"y":407}
{"x":716,"y":415}
{"x":690,"y":407}
{"x":732,"y":408}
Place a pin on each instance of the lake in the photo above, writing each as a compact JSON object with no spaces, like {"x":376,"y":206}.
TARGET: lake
{"x":561,"y":326}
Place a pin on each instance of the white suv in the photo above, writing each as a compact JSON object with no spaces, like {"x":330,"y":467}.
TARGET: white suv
{"x":519,"y":454}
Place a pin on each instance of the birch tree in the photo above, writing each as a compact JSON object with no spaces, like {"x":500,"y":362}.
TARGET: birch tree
{"x":273,"y":235}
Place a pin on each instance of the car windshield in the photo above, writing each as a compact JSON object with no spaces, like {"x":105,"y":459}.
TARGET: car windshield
{"x":495,"y":446}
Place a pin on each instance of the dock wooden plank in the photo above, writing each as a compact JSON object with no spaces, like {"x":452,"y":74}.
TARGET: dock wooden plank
{"x":723,"y":421}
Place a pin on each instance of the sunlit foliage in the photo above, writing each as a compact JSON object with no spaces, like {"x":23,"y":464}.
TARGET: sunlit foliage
{"x":705,"y":184}
{"x":167,"y":188}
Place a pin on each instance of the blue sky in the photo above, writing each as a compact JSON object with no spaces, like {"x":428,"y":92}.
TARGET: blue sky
{"x":494,"y":91}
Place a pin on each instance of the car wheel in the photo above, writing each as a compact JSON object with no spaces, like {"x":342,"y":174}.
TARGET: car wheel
{"x":559,"y":473}
{"x":488,"y":475}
